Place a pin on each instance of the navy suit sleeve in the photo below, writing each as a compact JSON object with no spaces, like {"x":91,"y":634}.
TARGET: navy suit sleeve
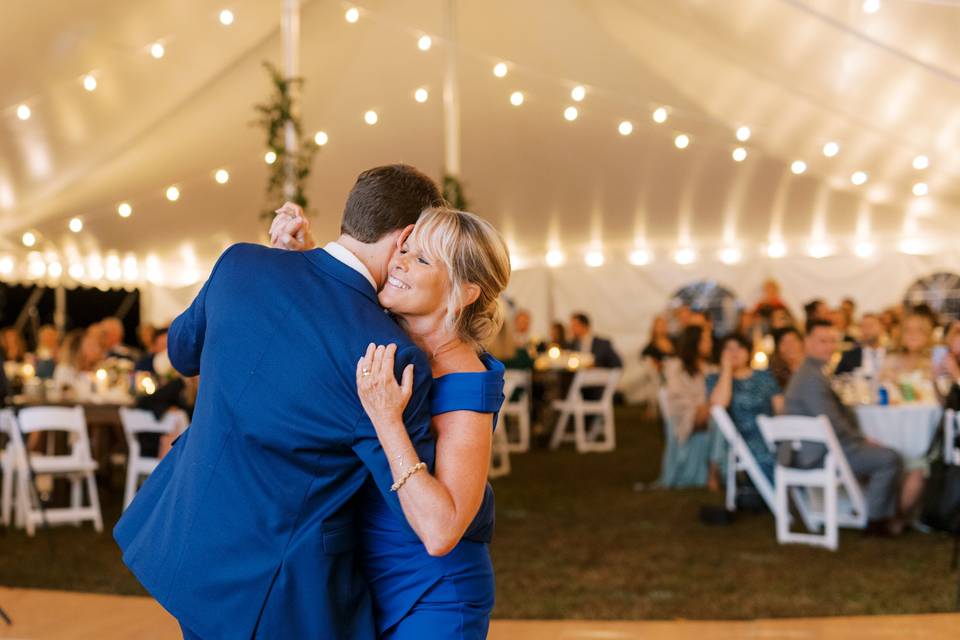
{"x":416,"y":418}
{"x":187,"y":331}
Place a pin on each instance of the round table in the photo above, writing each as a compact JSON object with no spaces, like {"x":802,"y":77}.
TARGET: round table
{"x":907,"y":428}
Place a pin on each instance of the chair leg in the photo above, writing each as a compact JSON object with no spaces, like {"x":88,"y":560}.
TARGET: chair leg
{"x":94,"y":501}
{"x":782,"y":511}
{"x":558,"y":431}
{"x":580,"y":431}
{"x":6,"y":502}
{"x":610,"y":428}
{"x":731,"y":480}
{"x":131,"y":485}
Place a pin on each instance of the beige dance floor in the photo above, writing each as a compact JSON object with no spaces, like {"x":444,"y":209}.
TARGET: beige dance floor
{"x":56,"y":615}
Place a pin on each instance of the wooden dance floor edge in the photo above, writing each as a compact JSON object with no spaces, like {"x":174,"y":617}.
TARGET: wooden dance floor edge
{"x":53,"y":615}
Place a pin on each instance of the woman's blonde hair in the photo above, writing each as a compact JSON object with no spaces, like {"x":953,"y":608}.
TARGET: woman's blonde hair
{"x":473,"y":253}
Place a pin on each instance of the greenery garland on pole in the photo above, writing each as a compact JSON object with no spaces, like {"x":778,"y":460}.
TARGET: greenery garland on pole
{"x":274,"y":116}
{"x":453,"y":192}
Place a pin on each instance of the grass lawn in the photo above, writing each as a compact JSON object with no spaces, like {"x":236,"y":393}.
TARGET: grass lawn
{"x":574,"y":540}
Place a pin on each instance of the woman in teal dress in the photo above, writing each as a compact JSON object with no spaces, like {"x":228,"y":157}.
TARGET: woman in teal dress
{"x":443,"y":286}
{"x":746,"y":393}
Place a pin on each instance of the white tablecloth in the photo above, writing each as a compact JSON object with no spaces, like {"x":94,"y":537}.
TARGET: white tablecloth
{"x":907,"y":428}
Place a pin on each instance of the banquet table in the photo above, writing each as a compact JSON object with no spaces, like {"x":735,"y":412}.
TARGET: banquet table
{"x":907,"y":428}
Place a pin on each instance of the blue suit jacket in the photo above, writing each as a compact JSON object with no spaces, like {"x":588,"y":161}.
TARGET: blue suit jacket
{"x":246,"y":528}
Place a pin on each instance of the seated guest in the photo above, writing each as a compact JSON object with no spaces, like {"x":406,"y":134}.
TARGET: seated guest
{"x":604,"y":356}
{"x":787,"y":355}
{"x":949,"y":368}
{"x":66,"y":375}
{"x":913,"y":354}
{"x":816,"y":309}
{"x":687,"y":454}
{"x":839,"y":320}
{"x":810,"y":394}
{"x":869,"y":354}
{"x":111,"y":339}
{"x":660,"y":346}
{"x":848,"y":306}
{"x":14,"y":346}
{"x":746,"y":394}
{"x":770,"y":300}
{"x":48,"y":348}
{"x":145,"y":333}
{"x":780,"y":319}
{"x":92,"y":351}
{"x":159,"y":345}
{"x":558,"y":336}
{"x":521,"y":329}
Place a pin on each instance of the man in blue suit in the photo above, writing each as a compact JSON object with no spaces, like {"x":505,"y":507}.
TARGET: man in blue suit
{"x":246,"y":527}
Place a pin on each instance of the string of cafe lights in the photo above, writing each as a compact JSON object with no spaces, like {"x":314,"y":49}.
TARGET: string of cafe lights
{"x":657,"y":116}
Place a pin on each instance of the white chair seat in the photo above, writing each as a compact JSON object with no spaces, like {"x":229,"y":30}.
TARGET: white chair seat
{"x":61,"y":465}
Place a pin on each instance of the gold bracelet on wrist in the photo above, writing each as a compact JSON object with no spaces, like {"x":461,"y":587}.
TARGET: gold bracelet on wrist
{"x":402,"y":480}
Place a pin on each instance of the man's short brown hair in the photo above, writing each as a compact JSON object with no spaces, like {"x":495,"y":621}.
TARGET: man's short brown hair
{"x":386,"y":199}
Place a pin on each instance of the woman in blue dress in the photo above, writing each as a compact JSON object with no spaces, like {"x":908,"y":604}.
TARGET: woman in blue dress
{"x":443,"y":286}
{"x":745,"y":393}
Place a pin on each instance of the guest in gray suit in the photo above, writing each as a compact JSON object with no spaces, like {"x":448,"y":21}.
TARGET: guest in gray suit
{"x":810,"y":394}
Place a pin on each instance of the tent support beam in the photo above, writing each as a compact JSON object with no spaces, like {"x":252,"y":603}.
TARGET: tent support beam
{"x":290,"y":26}
{"x":451,"y":93}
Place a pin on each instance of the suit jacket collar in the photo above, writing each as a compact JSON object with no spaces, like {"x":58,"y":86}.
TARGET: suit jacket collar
{"x":336,"y":269}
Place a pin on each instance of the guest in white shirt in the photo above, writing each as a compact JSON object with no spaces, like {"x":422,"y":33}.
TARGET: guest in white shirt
{"x":870,"y":354}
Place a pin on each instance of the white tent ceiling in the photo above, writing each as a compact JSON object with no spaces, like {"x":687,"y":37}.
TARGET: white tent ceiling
{"x":799,"y":73}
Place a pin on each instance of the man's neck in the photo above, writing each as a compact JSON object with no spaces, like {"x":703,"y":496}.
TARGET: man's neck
{"x":367,"y":254}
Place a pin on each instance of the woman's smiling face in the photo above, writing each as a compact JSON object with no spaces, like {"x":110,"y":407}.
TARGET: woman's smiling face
{"x":416,"y":285}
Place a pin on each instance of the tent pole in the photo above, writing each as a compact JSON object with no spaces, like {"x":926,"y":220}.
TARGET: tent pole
{"x":60,"y":310}
{"x":290,"y":25}
{"x":451,"y":93}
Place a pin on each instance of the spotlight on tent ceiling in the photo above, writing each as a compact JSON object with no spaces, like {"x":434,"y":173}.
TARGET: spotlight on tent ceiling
{"x":23,"y":112}
{"x":578,"y":93}
{"x":818,"y":250}
{"x":352,"y":15}
{"x":682,"y":141}
{"x":730,"y":255}
{"x":914,"y":247}
{"x":858,"y":178}
{"x":55,"y":269}
{"x":864,"y":249}
{"x":222,"y":176}
{"x":89,"y":82}
{"x":321,"y":138}
{"x":798,"y":167}
{"x":743,"y":134}
{"x":424,"y":43}
{"x":625,"y":128}
{"x":421,"y":95}
{"x":173,"y":193}
{"x":776,"y":249}
{"x":594,"y":258}
{"x":76,"y":225}
{"x":6,"y":265}
{"x":831,"y":149}
{"x":37,"y":268}
{"x":920,"y":189}
{"x":76,"y":270}
{"x":921,"y":162}
{"x":29,"y":239}
{"x":555,"y":258}
{"x":500,"y":69}
{"x":685,"y":255}
{"x":371,"y":117}
{"x":157,"y":50}
{"x":570,"y":114}
{"x":226,"y":17}
{"x":516,"y":98}
{"x":270,"y":157}
{"x":739,"y":154}
{"x":640,"y":257}
{"x":660,"y":115}
{"x":871,"y":6}
{"x":124,"y":209}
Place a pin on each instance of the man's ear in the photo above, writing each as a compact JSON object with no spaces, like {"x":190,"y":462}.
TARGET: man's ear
{"x":404,"y":234}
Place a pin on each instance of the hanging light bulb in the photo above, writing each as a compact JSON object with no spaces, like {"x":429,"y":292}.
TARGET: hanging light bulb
{"x":660,"y":115}
{"x":570,"y":114}
{"x":55,"y":269}
{"x":222,"y":176}
{"x":226,"y":17}
{"x":871,"y":6}
{"x":920,"y":189}
{"x":124,"y":209}
{"x":424,"y":43}
{"x":76,"y":225}
{"x":858,"y":178}
{"x":6,"y":265}
{"x":743,"y":134}
{"x":864,"y":249}
{"x":685,"y":255}
{"x":89,"y":82}
{"x":270,"y":157}
{"x":594,"y":258}
{"x":831,"y":149}
{"x":798,"y":167}
{"x":500,"y":69}
{"x":640,"y":257}
{"x":776,"y":249}
{"x":578,"y":93}
{"x":76,"y":271}
{"x":23,"y":112}
{"x":352,"y":15}
{"x":421,"y":95}
{"x":321,"y":138}
{"x":921,"y":162}
{"x":682,"y":141}
{"x":625,"y":128}
{"x":555,"y":258}
{"x":173,"y":193}
{"x":730,"y":255}
{"x":516,"y":98}
{"x":157,"y":50}
{"x":371,"y":117}
{"x":739,"y":154}
{"x":29,"y":239}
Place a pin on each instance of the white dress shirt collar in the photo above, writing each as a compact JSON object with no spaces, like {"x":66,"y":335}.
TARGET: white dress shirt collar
{"x":347,"y":257}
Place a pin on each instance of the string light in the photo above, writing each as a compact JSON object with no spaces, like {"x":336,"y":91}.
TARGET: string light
{"x":173,"y":193}
{"x":864,"y":249}
{"x":570,"y":114}
{"x":594,"y":259}
{"x":739,"y":154}
{"x":124,"y":209}
{"x":89,"y":82}
{"x":421,"y":95}
{"x":858,"y":178}
{"x":424,"y":43}
{"x":831,"y":149}
{"x":55,"y":269}
{"x":76,"y":225}
{"x":352,"y":15}
{"x":682,"y":141}
{"x":639,"y":257}
{"x":578,"y":93}
{"x":270,"y":157}
{"x":625,"y":128}
{"x":660,"y":115}
{"x":776,"y":249}
{"x":684,"y":256}
{"x":871,"y":6}
{"x":555,"y":258}
{"x":29,"y":239}
{"x":730,"y":255}
{"x":222,"y":176}
{"x":226,"y":17}
{"x":76,"y":271}
{"x":157,"y":50}
{"x":500,"y":69}
{"x":920,"y":189}
{"x":321,"y":138}
{"x":6,"y":265}
{"x":516,"y":98}
{"x":371,"y":117}
{"x":743,"y":134}
{"x":23,"y":112}
{"x":798,"y":167}
{"x":818,"y":250}
{"x":921,"y":162}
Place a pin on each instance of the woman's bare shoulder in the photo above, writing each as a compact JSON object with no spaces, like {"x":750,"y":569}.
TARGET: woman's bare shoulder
{"x":461,"y":359}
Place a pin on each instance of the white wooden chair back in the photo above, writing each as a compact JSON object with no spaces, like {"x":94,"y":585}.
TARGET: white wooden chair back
{"x":602,"y":435}
{"x":518,"y":410}
{"x":741,"y":458}
{"x":951,"y":437}
{"x":8,"y":432}
{"x":136,"y":422}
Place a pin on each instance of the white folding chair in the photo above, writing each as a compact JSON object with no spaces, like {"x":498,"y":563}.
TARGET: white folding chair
{"x":135,"y":422}
{"x":7,"y":464}
{"x":78,"y":466}
{"x":602,"y":436}
{"x":518,"y":409}
{"x":740,"y":458}
{"x":500,"y":451}
{"x":842,"y":502}
{"x":951,"y":441}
